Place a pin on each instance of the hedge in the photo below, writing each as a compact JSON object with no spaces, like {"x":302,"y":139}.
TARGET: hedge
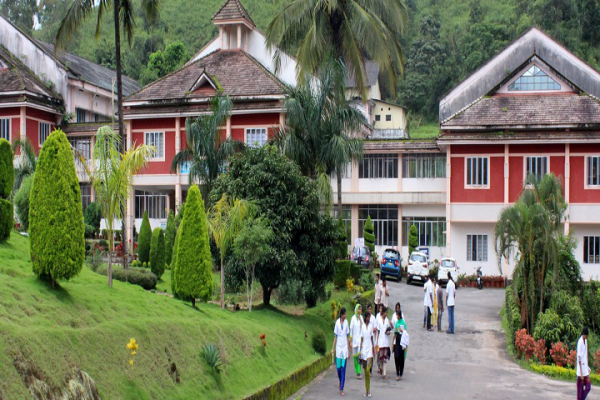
{"x":369,"y":234}
{"x":193,"y":263}
{"x":144,"y":239}
{"x":561,"y":372}
{"x":170,"y":233}
{"x":157,"y":253}
{"x":6,"y":219}
{"x":136,"y":276}
{"x":7,"y":169}
{"x":365,"y":298}
{"x":513,"y":314}
{"x":342,"y":273}
{"x":22,"y":201}
{"x":56,"y":226}
{"x":355,"y":272}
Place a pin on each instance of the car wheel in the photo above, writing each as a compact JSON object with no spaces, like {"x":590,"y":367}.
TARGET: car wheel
{"x":408,"y":280}
{"x":399,"y":277}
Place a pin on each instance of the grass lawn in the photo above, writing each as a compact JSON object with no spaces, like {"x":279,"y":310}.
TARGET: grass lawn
{"x":85,"y":324}
{"x":425,"y":131}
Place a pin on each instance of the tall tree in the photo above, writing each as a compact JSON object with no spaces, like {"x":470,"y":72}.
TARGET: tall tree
{"x":206,"y":150}
{"x":353,"y":30}
{"x":124,"y":16}
{"x":193,"y":262}
{"x":322,"y":128}
{"x":225,"y":220}
{"x":530,"y":232}
{"x":112,"y":178}
{"x":55,"y":216}
{"x":20,"y":12}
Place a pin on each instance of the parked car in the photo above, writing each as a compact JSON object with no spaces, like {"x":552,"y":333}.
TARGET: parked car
{"x":448,"y":265}
{"x":362,"y":256}
{"x":417,"y":268}
{"x":391,"y":264}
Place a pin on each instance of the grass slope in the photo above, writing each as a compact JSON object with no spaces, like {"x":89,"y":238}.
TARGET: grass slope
{"x":85,"y":324}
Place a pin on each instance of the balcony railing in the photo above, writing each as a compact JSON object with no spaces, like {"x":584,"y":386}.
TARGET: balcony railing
{"x":389,"y":134}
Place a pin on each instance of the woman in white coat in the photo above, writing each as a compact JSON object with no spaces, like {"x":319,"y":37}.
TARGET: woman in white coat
{"x":341,"y":347}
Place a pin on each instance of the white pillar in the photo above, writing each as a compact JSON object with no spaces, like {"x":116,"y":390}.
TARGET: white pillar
{"x":228,"y":128}
{"x":354,"y":223}
{"x":448,"y":199}
{"x":506,"y":174}
{"x":129,"y":220}
{"x":239,"y":36}
{"x":177,"y":150}
{"x":23,"y":124}
{"x":400,"y":229}
{"x":568,"y":186}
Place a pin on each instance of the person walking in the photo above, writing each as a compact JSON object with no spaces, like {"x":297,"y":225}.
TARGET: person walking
{"x":377,"y":290}
{"x":385,"y":293}
{"x":367,"y":349}
{"x":399,"y":328}
{"x":383,"y":341}
{"x":434,"y":284}
{"x":378,"y":324}
{"x":356,"y":328}
{"x":341,"y":345}
{"x":395,"y":316}
{"x":450,"y":301}
{"x":439,"y":293}
{"x":583,"y":370}
{"x":428,"y":303}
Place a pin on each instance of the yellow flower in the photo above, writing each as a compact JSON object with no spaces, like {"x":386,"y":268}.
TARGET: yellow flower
{"x":133,"y":353}
{"x":135,"y":347}
{"x":129,"y":346}
{"x":130,"y":362}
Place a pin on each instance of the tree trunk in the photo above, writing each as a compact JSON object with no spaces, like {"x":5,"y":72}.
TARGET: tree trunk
{"x":251,"y":290}
{"x":248,"y":293}
{"x":194,"y":301}
{"x":109,"y":270}
{"x":222,"y":285}
{"x":116,"y":4}
{"x":339,"y":193}
{"x":266,"y":295}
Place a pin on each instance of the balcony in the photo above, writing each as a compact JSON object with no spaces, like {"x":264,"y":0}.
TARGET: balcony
{"x":389,"y":134}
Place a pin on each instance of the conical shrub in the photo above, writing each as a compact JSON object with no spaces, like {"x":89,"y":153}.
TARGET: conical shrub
{"x":144,"y":239}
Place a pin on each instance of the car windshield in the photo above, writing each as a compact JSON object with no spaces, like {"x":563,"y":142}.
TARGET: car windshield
{"x":447,"y":264}
{"x":418,"y":257}
{"x":362,"y":251}
{"x":390,"y":254}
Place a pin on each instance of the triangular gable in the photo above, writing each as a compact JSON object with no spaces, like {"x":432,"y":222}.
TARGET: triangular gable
{"x":533,"y":42}
{"x":205,"y":84}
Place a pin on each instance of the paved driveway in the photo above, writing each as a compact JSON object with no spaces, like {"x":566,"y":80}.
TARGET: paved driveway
{"x":472,"y":364}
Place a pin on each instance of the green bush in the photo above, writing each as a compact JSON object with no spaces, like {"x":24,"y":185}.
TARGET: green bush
{"x":369,"y":234}
{"x":144,"y":239}
{"x":22,"y":202}
{"x":6,"y":219}
{"x":136,"y":264}
{"x":318,"y":342}
{"x":569,"y":310}
{"x":365,"y":298}
{"x":513,"y":314}
{"x":157,"y":252}
{"x":92,"y":216}
{"x":136,"y":276}
{"x":212,"y":356}
{"x":103,"y":243}
{"x":90,"y":231}
{"x":56,"y":226}
{"x":355,"y":272}
{"x":590,"y":303}
{"x":413,"y":239}
{"x":7,"y":169}
{"x":290,"y":292}
{"x":170,"y":233}
{"x":342,"y":273}
{"x":562,"y":373}
{"x":367,"y":280}
{"x":193,"y":267}
{"x":95,"y":260}
{"x":549,"y":327}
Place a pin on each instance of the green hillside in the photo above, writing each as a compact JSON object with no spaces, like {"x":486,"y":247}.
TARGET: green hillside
{"x":47,"y":333}
{"x":445,"y":40}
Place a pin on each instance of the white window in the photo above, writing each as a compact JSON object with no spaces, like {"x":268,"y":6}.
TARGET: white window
{"x":477,"y":171}
{"x":44,"y":132}
{"x":256,"y":137}
{"x":593,"y":171}
{"x":536,"y":166}
{"x":477,"y":248}
{"x":591,"y":249}
{"x":5,"y":128}
{"x":156,"y":139}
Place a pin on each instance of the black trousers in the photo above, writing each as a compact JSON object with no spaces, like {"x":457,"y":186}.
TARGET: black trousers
{"x":428,"y":318}
{"x":399,"y":356}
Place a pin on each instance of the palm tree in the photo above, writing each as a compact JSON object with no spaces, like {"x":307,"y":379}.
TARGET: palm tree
{"x":530,"y":232}
{"x":353,"y":30}
{"x":321,"y":126}
{"x":112,"y":177}
{"x":206,"y":151}
{"x":27,"y":163}
{"x":225,"y":221}
{"x":123,"y":14}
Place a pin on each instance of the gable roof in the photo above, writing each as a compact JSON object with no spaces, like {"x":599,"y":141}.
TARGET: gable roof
{"x":18,"y":82}
{"x":235,"y":72}
{"x":232,"y":10}
{"x":84,"y":70}
{"x":533,"y":42}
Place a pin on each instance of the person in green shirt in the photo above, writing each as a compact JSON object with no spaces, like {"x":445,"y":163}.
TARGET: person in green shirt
{"x":399,"y":353}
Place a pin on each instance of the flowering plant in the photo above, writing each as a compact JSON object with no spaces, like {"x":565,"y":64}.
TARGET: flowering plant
{"x":524,"y":343}
{"x":132,"y":346}
{"x":560,"y":354}
{"x":540,"y":351}
{"x":572,"y":358}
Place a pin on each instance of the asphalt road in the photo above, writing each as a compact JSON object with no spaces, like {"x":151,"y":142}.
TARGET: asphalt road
{"x":472,"y":364}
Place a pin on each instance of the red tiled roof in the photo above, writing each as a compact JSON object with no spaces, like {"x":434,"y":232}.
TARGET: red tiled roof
{"x":559,"y":136}
{"x":232,"y":9}
{"x":203,"y":107}
{"x":235,"y":71}
{"x":500,"y":112}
